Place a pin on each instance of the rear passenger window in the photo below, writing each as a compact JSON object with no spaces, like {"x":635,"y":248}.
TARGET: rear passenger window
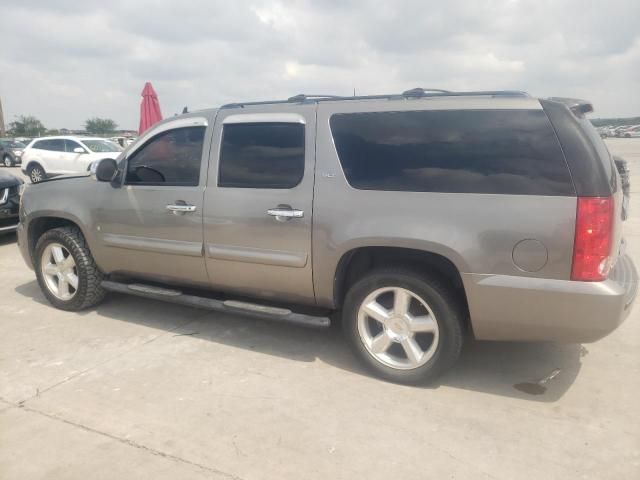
{"x":471,"y":151}
{"x":54,"y":145}
{"x":262,"y":155}
{"x":170,"y":158}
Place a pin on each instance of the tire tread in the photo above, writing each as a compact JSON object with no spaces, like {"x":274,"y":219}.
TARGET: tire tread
{"x":90,"y":291}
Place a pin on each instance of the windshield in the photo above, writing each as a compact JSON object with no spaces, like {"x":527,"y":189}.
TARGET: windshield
{"x":102,"y":146}
{"x":12,"y":144}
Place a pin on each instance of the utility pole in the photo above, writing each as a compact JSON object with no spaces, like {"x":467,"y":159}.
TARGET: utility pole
{"x":2,"y":129}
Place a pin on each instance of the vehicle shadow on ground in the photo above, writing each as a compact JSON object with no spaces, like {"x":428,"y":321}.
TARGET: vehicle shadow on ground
{"x":511,"y":369}
{"x":7,"y":238}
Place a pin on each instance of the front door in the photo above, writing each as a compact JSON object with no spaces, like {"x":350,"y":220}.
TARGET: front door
{"x":55,"y":156}
{"x":76,"y":162}
{"x":153,"y":224}
{"x":258,"y":203}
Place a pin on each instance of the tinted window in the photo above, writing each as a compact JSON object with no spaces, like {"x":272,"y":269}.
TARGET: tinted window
{"x":70,"y":145}
{"x":472,"y":151}
{"x":55,"y":145}
{"x":170,"y":158}
{"x":262,"y":155}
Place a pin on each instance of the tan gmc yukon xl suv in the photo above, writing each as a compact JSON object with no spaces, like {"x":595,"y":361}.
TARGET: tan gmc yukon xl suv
{"x":418,"y":217}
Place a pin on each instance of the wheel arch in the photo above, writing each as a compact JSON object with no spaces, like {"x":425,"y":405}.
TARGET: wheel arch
{"x":39,"y":225}
{"x":31,"y":163}
{"x":356,"y":262}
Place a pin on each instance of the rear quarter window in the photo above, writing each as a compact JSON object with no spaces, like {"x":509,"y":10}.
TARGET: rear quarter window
{"x":464,"y":151}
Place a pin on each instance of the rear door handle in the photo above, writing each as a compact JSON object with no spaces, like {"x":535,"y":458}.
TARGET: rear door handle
{"x":285,"y":213}
{"x":181,"y":208}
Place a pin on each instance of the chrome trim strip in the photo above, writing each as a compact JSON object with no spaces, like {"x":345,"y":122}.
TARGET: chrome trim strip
{"x":257,"y":255}
{"x":159,"y":245}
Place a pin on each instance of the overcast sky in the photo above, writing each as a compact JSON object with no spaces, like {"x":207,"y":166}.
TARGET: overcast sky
{"x":65,"y":61}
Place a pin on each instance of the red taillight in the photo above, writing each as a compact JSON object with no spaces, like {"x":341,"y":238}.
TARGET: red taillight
{"x":592,"y":245}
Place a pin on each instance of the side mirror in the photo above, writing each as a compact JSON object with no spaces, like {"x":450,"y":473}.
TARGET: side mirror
{"x":79,"y":150}
{"x":105,"y":169}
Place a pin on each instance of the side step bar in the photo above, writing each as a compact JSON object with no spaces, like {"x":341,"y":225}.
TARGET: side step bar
{"x":264,"y":312}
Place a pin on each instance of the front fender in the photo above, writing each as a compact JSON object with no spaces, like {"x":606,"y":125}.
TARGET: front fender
{"x":70,"y":201}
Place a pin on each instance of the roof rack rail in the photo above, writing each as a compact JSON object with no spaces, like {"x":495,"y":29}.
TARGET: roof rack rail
{"x":301,"y":97}
{"x":436,"y":92}
{"x":421,"y":92}
{"x":413,"y":93}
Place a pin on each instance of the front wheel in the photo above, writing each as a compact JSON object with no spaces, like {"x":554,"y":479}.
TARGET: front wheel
{"x":7,"y":161}
{"x":404,"y":326}
{"x":36,"y":173}
{"x":67,"y":274}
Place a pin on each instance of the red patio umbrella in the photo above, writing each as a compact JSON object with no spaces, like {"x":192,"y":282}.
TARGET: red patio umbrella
{"x":149,"y":108}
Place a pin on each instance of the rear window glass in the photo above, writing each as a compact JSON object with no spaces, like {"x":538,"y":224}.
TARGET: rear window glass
{"x":470,"y":151}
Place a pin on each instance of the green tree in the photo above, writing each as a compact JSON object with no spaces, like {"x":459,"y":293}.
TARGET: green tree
{"x":100,"y":125}
{"x":26,"y":126}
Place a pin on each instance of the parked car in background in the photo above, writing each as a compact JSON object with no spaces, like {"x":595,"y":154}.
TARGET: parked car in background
{"x":606,"y":132}
{"x":11,"y":152}
{"x":619,"y":131}
{"x":631,"y":132}
{"x":10,"y":190}
{"x":51,"y":156}
{"x":417,"y":216}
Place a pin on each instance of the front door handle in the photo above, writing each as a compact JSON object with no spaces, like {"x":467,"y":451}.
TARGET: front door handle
{"x":177,"y":209}
{"x":285,"y":212}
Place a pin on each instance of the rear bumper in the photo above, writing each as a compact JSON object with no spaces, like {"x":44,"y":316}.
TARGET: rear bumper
{"x":537,"y":309}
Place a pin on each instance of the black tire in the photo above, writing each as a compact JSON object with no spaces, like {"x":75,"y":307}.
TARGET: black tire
{"x":89,"y":291}
{"x":447,"y":307}
{"x":7,"y":161}
{"x":36,"y":173}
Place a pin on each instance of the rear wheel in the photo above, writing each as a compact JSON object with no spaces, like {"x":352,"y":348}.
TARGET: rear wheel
{"x":36,"y":173}
{"x":7,"y":161}
{"x":404,"y":326}
{"x":67,"y":274}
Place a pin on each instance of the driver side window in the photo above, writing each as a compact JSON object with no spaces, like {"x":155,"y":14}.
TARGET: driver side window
{"x":170,"y":158}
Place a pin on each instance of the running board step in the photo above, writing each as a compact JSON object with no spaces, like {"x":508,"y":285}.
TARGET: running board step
{"x":171,"y":295}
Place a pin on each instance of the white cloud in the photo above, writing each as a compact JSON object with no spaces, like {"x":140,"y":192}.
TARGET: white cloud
{"x":65,"y":61}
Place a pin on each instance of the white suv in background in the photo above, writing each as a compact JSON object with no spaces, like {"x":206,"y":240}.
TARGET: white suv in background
{"x":50,"y":156}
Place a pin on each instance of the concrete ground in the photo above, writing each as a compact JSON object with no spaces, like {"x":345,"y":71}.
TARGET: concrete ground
{"x":141,"y":389}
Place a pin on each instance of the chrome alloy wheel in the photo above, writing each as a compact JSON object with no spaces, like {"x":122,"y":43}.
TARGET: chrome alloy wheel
{"x":398,"y":328}
{"x":59,"y":271}
{"x":36,"y":175}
